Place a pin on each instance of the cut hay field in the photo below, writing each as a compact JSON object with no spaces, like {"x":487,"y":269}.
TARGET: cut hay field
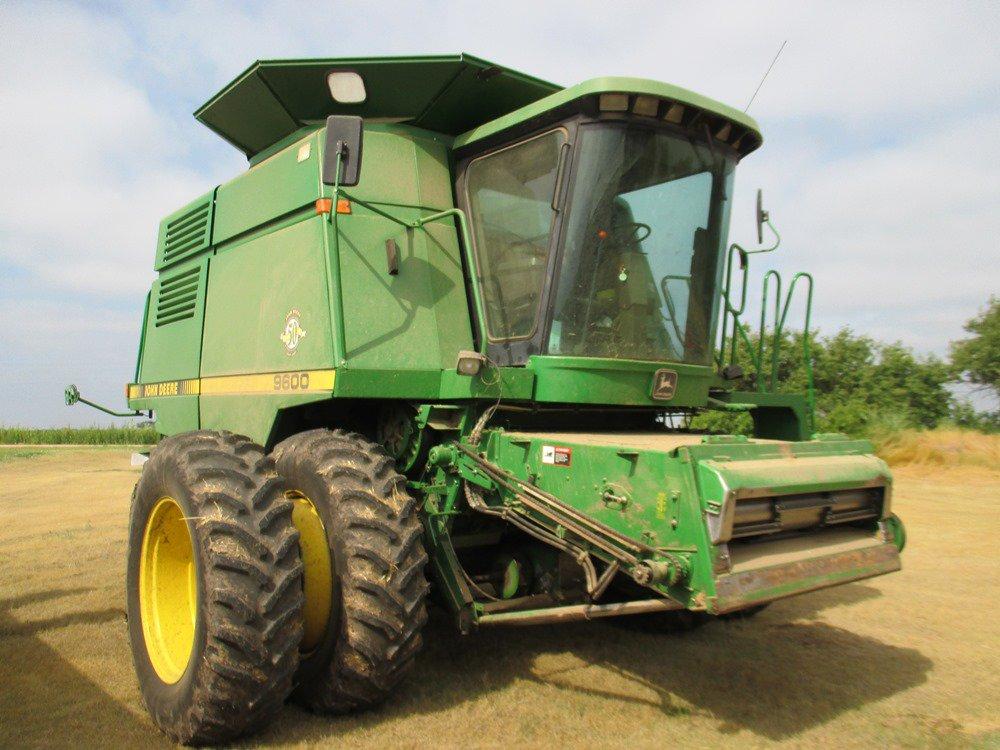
{"x":907,"y":660}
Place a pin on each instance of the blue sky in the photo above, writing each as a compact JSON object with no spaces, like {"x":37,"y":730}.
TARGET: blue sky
{"x":881,"y":163}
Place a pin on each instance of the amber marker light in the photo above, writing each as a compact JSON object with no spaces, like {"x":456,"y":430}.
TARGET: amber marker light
{"x":343,"y":206}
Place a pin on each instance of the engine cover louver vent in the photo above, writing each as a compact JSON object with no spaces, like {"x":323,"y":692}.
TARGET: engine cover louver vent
{"x":186,"y":232}
{"x":177,"y":298}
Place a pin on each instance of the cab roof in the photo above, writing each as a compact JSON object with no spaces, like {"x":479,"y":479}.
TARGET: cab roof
{"x":629,"y":96}
{"x":448,"y":94}
{"x":457,"y":95}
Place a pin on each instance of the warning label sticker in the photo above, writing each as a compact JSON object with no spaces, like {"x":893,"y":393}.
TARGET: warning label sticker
{"x":556,"y":455}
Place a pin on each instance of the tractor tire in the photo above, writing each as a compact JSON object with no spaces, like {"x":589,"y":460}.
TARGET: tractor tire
{"x":213,"y":587}
{"x":365,"y":597}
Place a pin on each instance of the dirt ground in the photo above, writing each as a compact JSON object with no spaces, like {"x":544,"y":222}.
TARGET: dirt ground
{"x":907,"y":660}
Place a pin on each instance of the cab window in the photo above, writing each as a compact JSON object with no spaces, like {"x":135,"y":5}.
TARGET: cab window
{"x":510,"y":204}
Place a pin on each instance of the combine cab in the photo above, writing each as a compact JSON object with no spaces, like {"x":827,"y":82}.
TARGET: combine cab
{"x":446,"y":335}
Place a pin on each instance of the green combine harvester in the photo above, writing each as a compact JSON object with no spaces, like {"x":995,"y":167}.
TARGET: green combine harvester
{"x":445,"y":337}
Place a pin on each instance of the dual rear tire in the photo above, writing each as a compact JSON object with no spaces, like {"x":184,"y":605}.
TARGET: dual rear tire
{"x":247,"y":580}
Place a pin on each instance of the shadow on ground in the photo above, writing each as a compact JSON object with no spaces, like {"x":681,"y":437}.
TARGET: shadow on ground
{"x":45,"y":700}
{"x":775,"y":675}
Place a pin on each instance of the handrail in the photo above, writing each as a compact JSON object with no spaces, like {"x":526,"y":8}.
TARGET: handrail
{"x":466,"y":248}
{"x":727,"y":299}
{"x":333,"y":278}
{"x":668,"y":300}
{"x":775,"y":340}
{"x":142,"y":336}
{"x":734,"y":332}
{"x":744,"y":265}
{"x":470,"y":262}
{"x":806,"y":349}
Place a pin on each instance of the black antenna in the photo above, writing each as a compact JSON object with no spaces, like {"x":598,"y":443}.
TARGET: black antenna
{"x":765,"y":75}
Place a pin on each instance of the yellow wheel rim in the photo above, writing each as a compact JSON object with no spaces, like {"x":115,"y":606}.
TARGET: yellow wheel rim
{"x":168,"y":592}
{"x":317,"y":574}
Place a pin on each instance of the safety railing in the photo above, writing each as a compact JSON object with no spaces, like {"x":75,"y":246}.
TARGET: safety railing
{"x":734,"y":332}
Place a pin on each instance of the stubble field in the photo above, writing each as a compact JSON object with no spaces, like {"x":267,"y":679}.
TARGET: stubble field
{"x":909,"y":659}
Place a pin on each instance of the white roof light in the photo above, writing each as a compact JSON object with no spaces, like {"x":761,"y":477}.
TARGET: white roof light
{"x":346,"y":87}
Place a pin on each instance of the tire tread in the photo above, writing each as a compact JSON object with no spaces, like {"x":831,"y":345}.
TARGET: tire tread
{"x":382,"y":583}
{"x":252,"y":600}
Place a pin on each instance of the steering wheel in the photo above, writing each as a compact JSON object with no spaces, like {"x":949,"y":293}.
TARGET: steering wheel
{"x":640,"y":231}
{"x":632,"y":231}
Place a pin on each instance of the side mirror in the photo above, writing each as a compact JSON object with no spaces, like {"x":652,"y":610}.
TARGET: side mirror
{"x":762,"y":216}
{"x":343,"y":136}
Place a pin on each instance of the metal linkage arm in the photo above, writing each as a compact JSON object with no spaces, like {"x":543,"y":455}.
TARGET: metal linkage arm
{"x":545,"y":517}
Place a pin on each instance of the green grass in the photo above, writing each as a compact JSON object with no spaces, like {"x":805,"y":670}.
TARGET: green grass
{"x":8,"y":453}
{"x":78,"y":436}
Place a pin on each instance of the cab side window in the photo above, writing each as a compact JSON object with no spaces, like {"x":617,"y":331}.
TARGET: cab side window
{"x":510,"y":201}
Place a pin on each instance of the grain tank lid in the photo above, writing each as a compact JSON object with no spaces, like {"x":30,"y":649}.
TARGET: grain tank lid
{"x":449,"y":94}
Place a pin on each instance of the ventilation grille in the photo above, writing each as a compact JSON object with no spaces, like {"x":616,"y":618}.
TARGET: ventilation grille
{"x":178,"y":297}
{"x":186,"y":234}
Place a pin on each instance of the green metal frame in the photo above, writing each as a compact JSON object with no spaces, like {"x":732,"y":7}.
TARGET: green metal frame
{"x":733,"y":330}
{"x":537,"y":110}
{"x":646,"y":519}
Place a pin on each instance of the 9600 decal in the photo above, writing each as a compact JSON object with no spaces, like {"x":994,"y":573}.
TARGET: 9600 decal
{"x":291,"y":381}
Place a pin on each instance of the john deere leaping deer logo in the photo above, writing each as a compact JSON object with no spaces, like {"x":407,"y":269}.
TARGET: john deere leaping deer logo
{"x":293,"y":332}
{"x":664,"y":385}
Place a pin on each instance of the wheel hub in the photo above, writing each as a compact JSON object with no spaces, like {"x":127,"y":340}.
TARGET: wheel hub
{"x":317,"y":573}
{"x":168,"y":591}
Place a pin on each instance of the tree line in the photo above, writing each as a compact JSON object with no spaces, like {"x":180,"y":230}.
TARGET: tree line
{"x":864,"y":386}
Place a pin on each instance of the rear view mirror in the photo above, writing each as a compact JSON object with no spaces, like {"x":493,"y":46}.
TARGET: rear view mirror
{"x":343,"y":136}
{"x":762,"y":216}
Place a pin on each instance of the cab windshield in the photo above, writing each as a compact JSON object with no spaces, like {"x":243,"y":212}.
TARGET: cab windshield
{"x":647,"y":215}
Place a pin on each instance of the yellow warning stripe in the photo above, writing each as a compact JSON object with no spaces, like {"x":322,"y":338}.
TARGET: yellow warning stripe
{"x":295,"y":381}
{"x":166,"y":388}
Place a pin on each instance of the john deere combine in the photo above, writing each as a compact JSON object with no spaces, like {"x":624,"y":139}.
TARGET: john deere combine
{"x":446,"y":335}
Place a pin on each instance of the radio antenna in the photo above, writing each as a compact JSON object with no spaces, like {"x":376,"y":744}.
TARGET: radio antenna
{"x":765,"y":75}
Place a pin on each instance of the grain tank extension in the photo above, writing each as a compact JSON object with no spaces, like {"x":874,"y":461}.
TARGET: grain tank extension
{"x":445,"y":337}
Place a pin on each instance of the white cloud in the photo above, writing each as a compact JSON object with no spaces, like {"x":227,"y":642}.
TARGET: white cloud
{"x":902,"y":239}
{"x":880,"y":164}
{"x":92,"y":159}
